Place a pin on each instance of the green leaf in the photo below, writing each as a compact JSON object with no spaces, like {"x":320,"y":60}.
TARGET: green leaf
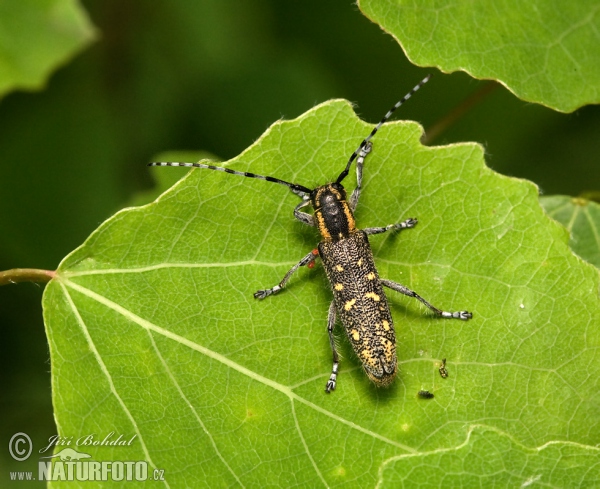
{"x":153,"y":329}
{"x":581,"y":217}
{"x":543,"y":51}
{"x":37,"y":36}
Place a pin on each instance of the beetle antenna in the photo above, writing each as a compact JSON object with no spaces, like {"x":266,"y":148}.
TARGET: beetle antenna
{"x":344,"y":174}
{"x":294,"y":187}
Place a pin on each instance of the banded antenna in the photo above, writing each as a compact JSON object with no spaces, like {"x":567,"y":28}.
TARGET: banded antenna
{"x":294,"y":187}
{"x":344,"y":174}
{"x":301,"y":190}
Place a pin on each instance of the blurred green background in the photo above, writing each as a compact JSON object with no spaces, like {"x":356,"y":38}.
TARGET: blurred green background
{"x":212,"y":75}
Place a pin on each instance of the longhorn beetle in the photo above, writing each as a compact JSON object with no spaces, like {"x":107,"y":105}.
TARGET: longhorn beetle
{"x":358,"y":297}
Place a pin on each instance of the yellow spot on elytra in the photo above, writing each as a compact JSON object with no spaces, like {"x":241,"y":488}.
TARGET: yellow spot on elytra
{"x":349,"y":304}
{"x":338,"y":287}
{"x":371,"y":276}
{"x":373,"y":295}
{"x":339,"y":268}
{"x":355,"y":335}
{"x":360,"y":263}
{"x":368,"y":358}
{"x":386,"y":325}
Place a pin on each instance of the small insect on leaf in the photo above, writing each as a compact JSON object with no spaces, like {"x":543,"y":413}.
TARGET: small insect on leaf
{"x":443,"y":371}
{"x":425,"y":394}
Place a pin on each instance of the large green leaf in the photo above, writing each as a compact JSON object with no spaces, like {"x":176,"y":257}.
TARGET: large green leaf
{"x":153,"y":329}
{"x":36,"y":36}
{"x":545,"y":51}
{"x":581,"y":217}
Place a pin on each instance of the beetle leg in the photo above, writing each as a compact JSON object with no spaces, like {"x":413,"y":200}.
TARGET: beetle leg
{"x":303,"y":216}
{"x":464,"y":315}
{"x":336,"y":360}
{"x":409,"y":223}
{"x":307,"y":260}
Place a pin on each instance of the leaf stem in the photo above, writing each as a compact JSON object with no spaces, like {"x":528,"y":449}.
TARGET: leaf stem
{"x":457,"y":112}
{"x":25,"y":275}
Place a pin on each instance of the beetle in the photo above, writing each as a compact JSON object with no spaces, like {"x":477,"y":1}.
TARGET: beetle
{"x":359,"y":300}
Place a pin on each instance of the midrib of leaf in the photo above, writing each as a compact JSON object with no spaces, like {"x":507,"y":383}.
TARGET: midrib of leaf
{"x":148,"y":326}
{"x":160,"y":266}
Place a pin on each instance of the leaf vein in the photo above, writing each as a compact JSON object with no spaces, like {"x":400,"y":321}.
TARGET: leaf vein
{"x":105,"y":371}
{"x":226,"y":361}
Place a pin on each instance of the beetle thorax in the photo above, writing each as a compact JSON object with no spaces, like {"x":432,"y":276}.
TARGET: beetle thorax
{"x":333,"y":214}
